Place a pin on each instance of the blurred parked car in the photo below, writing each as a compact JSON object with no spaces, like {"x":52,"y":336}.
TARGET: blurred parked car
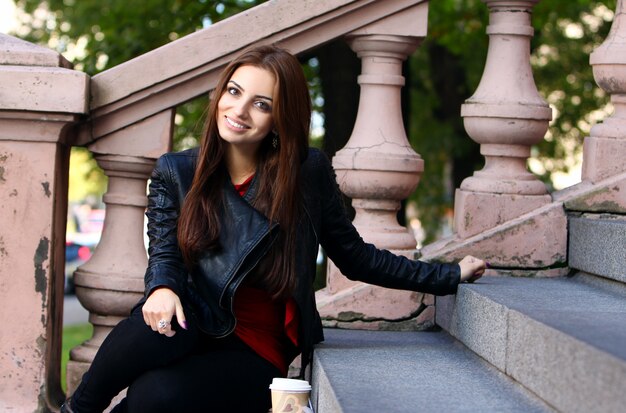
{"x":81,"y":243}
{"x":75,"y":255}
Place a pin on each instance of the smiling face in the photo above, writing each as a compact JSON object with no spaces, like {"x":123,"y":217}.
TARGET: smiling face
{"x":244,"y":111}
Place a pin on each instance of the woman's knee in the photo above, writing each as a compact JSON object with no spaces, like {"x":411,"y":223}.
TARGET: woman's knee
{"x":154,"y":392}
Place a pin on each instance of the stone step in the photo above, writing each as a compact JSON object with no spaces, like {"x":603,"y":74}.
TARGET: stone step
{"x":597,"y":245}
{"x":564,"y":339}
{"x":399,"y":372}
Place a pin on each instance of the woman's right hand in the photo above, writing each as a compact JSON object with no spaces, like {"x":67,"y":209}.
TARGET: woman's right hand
{"x":472,"y":268}
{"x":163,"y":304}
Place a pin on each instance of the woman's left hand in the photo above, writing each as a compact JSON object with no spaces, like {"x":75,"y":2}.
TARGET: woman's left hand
{"x":472,"y":268}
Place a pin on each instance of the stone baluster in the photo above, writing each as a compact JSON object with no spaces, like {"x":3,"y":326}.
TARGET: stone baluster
{"x":112,"y":281}
{"x":378,"y":155}
{"x":40,"y":100}
{"x":377,"y":169}
{"x":505,"y":116}
{"x":604,"y":149}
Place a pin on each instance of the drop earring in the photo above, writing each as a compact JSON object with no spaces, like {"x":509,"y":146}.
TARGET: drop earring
{"x":275,"y":141}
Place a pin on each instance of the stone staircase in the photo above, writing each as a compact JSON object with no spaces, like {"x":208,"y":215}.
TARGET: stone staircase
{"x":536,"y":344}
{"x":398,"y":372}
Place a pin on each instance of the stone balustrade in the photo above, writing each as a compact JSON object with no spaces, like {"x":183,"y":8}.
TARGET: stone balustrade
{"x":130,"y":123}
{"x":504,"y":213}
{"x":506,"y":116}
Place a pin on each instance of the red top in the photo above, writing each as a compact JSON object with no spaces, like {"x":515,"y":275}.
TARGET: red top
{"x":268,"y":326}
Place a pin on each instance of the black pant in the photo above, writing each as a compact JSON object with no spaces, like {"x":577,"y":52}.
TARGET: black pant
{"x":188,"y":372}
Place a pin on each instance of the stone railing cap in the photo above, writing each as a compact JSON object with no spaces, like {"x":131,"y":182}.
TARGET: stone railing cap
{"x":17,"y":52}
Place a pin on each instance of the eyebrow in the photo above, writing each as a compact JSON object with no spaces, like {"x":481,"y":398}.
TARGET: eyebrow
{"x":258,"y":96}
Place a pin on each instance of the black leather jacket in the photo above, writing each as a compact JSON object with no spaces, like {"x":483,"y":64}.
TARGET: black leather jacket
{"x":246,"y":235}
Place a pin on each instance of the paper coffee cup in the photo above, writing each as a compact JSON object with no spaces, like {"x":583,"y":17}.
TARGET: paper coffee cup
{"x":290,"y":395}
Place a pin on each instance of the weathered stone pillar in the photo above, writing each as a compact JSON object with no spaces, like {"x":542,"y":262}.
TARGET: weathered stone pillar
{"x":604,"y":150}
{"x":112,"y":281}
{"x":377,"y":169}
{"x":506,"y":116}
{"x":40,"y":99}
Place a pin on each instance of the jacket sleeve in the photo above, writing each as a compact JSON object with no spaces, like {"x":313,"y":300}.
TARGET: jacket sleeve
{"x":165,"y":262}
{"x":361,"y":261}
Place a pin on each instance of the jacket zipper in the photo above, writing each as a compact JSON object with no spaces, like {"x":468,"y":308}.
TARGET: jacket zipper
{"x":240,"y":280}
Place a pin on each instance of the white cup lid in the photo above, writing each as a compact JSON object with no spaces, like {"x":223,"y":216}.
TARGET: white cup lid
{"x":290,"y":385}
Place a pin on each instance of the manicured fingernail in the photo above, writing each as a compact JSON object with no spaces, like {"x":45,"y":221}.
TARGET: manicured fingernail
{"x":488,"y":265}
{"x":184,"y":324}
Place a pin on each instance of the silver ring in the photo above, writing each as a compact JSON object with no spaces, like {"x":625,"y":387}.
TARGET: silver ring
{"x":162,"y":324}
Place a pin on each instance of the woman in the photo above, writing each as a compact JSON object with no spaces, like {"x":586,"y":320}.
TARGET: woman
{"x":234,"y":230}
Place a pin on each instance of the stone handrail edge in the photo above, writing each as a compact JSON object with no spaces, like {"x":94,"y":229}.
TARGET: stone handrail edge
{"x":131,"y":84}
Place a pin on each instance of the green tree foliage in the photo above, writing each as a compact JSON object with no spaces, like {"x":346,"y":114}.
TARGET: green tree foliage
{"x":566,"y":33}
{"x":444,"y":72}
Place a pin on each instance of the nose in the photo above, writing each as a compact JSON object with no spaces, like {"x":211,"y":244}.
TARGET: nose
{"x":241,"y":108}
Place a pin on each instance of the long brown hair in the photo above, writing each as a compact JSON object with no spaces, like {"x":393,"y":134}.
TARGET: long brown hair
{"x":278,"y":170}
